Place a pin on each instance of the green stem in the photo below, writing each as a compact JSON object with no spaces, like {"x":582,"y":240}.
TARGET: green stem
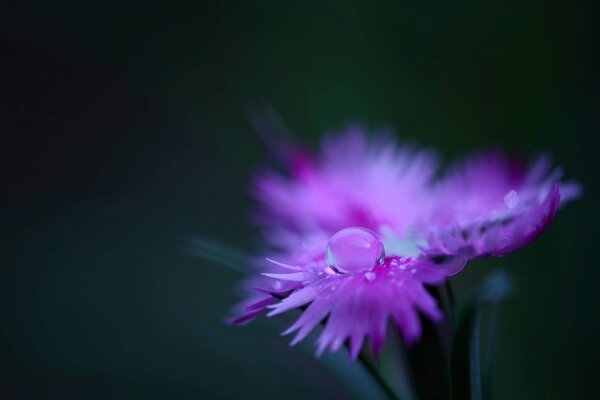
{"x":489,"y":352}
{"x":450,"y":294}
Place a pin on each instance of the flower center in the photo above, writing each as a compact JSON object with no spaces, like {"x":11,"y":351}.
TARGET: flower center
{"x":354,"y":250}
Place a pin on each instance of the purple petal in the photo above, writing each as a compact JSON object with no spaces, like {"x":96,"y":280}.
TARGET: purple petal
{"x":295,"y":300}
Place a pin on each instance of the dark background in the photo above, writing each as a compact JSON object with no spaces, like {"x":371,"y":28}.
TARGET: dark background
{"x":124,"y":130}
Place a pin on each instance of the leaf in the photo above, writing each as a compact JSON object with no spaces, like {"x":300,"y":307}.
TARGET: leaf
{"x":219,"y":253}
{"x":394,"y":365}
{"x":465,"y":362}
{"x":359,"y":380}
{"x":429,"y":357}
{"x":374,"y":369}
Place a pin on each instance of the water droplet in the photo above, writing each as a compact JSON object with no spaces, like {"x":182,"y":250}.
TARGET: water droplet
{"x":511,"y":199}
{"x":277,"y":285}
{"x":354,"y":250}
{"x":370,"y":276}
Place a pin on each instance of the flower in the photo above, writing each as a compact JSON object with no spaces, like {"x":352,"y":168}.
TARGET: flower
{"x":356,"y":234}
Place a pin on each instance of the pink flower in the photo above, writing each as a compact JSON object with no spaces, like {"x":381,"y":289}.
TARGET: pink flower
{"x":357,"y":233}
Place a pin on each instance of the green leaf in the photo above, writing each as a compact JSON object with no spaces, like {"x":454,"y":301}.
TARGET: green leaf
{"x":359,"y":381}
{"x":429,"y":357}
{"x":374,"y":369}
{"x":219,"y":253}
{"x":465,"y":362}
{"x":395,"y":366}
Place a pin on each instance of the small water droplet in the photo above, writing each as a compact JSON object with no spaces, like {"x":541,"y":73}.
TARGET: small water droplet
{"x":370,"y":276}
{"x":413,"y":271}
{"x":354,"y":250}
{"x":511,"y":199}
{"x":277,"y":285}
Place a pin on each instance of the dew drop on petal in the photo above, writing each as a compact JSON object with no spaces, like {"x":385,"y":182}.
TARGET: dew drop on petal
{"x":354,"y":250}
{"x":277,"y":285}
{"x":370,"y":276}
{"x":511,"y":199}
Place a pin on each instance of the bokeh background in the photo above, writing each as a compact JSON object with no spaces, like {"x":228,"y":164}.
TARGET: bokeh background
{"x":124,"y":130}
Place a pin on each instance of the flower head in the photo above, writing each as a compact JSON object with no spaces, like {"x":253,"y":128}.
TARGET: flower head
{"x":356,"y":234}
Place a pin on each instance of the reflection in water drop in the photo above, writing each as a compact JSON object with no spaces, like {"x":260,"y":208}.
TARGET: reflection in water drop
{"x":354,"y":250}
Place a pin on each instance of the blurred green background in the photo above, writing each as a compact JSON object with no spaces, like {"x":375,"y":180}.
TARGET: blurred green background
{"x":124,"y":130}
